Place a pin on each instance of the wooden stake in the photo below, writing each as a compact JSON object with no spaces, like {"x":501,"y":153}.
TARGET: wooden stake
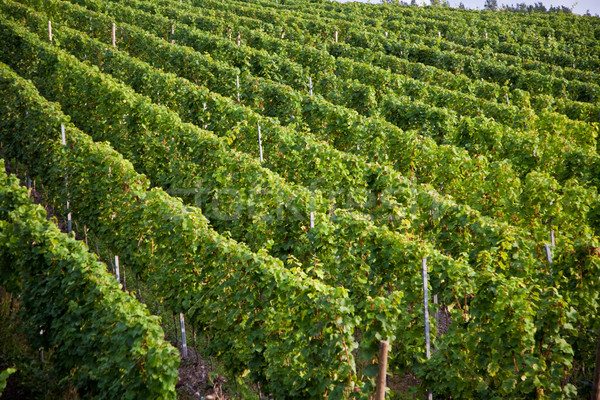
{"x":336,"y":36}
{"x":117,"y":269}
{"x":437,"y":311}
{"x":69,"y":222}
{"x":183,"y":341}
{"x":260,"y":149}
{"x":552,"y":239}
{"x":310,"y":87}
{"x":114,"y":35}
{"x":312,"y":220}
{"x":239,"y":39}
{"x":64,"y":142}
{"x":426,"y":314}
{"x":426,"y":308}
{"x":237,"y":85}
{"x":124,"y":281}
{"x":548,"y":253}
{"x":50,"y":30}
{"x":172,"y":34}
{"x":382,"y":377}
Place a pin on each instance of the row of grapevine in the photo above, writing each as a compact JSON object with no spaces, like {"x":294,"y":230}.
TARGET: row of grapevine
{"x":73,"y":307}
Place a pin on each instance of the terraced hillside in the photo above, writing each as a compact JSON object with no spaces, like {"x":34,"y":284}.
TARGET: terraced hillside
{"x":280,"y":172}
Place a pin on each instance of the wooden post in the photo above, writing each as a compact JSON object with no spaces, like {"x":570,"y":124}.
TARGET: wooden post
{"x":237,"y":85}
{"x":117,"y":269}
{"x":437,"y":311}
{"x":426,"y":315}
{"x":183,"y":340}
{"x":549,"y":257}
{"x":426,"y":308}
{"x":260,"y":150}
{"x":552,"y":238}
{"x":172,"y":33}
{"x":63,"y":135}
{"x":114,"y":35}
{"x":336,"y":36}
{"x":310,"y":87}
{"x":382,"y":377}
{"x":50,"y":30}
{"x":548,"y":253}
{"x":204,"y":108}
{"x":64,"y":143}
{"x":239,"y":38}
{"x":312,"y":220}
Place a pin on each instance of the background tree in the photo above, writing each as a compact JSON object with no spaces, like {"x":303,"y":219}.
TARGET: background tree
{"x":491,"y":5}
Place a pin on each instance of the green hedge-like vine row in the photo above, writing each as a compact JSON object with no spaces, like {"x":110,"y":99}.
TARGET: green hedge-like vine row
{"x":102,"y":340}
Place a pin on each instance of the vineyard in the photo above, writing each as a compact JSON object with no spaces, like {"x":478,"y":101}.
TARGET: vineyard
{"x":301,"y":181}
